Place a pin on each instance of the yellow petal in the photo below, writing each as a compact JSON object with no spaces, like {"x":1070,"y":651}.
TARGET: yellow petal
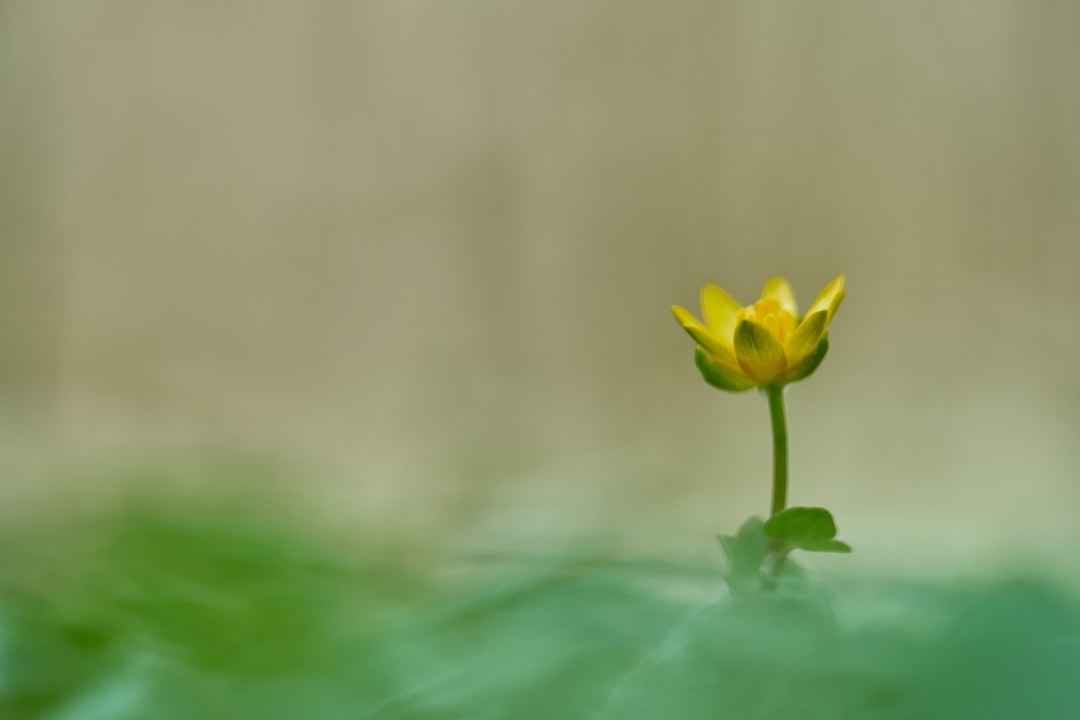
{"x":779,"y":289}
{"x":806,"y":337}
{"x":829,"y":299}
{"x":719,"y":310}
{"x":837,"y":300}
{"x":760,"y":355}
{"x":723,"y":378}
{"x":720,"y":352}
{"x":806,"y":367}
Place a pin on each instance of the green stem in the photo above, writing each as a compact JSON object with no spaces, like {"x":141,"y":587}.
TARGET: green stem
{"x":780,"y":447}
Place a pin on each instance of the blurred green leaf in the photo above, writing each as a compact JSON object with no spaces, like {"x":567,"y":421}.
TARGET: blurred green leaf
{"x":832,"y":545}
{"x":805,"y":528}
{"x":745,"y":552}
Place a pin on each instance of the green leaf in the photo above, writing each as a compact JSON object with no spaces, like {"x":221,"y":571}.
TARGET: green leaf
{"x":745,"y":552}
{"x":834,"y":546}
{"x":806,"y":529}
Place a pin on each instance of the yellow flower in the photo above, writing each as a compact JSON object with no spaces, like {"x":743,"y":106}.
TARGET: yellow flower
{"x":766,"y":343}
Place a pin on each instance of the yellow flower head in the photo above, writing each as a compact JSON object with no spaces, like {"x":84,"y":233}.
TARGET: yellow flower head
{"x":766,"y":343}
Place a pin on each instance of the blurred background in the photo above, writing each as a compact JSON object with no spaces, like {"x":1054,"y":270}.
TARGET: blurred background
{"x":422,"y":256}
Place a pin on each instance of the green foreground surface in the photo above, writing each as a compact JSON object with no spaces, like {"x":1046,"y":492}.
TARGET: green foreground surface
{"x":163,"y":614}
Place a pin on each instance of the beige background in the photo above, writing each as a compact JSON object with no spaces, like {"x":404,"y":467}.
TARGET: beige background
{"x":427,"y":250}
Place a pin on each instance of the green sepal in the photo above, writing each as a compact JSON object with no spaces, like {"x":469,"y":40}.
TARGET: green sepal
{"x":808,"y":364}
{"x":718,"y":376}
{"x":802,"y":528}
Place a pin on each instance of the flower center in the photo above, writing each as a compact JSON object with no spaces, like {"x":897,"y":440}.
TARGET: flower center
{"x":771,"y":316}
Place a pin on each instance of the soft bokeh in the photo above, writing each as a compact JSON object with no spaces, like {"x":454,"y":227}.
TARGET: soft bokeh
{"x":425,"y":251}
